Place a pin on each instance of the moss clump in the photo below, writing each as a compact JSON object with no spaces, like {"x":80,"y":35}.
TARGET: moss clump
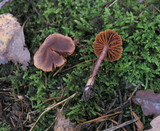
{"x":138,"y":26}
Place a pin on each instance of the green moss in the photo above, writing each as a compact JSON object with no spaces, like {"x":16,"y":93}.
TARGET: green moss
{"x":139,"y":26}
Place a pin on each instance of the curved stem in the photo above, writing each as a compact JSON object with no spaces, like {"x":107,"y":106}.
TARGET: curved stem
{"x":90,"y":82}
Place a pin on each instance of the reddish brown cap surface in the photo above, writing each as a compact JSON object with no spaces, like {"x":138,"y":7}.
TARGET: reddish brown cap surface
{"x":52,"y":52}
{"x":114,"y":41}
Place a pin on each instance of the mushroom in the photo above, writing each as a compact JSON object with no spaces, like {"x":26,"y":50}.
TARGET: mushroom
{"x":52,"y":52}
{"x":107,"y":46}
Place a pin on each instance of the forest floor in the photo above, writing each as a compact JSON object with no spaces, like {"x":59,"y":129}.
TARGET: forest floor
{"x":55,"y":98}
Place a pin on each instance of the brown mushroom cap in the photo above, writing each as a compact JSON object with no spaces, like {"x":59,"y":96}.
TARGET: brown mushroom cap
{"x":52,"y":52}
{"x":114,"y":41}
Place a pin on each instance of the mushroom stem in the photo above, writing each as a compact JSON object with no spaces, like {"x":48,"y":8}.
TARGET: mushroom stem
{"x":87,"y":89}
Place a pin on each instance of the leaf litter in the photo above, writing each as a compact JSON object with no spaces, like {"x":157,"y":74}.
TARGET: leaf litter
{"x":155,"y":123}
{"x":16,"y":111}
{"x":12,"y":42}
{"x":149,"y":101}
{"x":62,"y":123}
{"x":138,"y":123}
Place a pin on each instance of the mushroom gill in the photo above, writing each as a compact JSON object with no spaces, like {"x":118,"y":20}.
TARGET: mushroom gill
{"x":113,"y":40}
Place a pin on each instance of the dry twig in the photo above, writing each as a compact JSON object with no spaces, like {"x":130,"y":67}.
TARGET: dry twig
{"x":122,"y":125}
{"x":121,"y":106}
{"x":113,"y":3}
{"x":97,"y":119}
{"x":113,"y":121}
{"x":109,"y":4}
{"x":4,"y":2}
{"x":84,"y":62}
{"x":51,"y":107}
{"x":58,"y":70}
{"x":157,"y":9}
{"x":54,"y":98}
{"x":39,"y":14}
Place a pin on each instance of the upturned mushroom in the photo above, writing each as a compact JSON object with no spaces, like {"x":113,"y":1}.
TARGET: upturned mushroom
{"x":53,"y":51}
{"x":107,"y":46}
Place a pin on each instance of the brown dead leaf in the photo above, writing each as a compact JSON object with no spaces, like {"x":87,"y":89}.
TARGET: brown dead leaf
{"x":12,"y":41}
{"x":63,"y":124}
{"x":138,"y":123}
{"x":155,"y":123}
{"x":16,"y":52}
{"x":149,"y":101}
